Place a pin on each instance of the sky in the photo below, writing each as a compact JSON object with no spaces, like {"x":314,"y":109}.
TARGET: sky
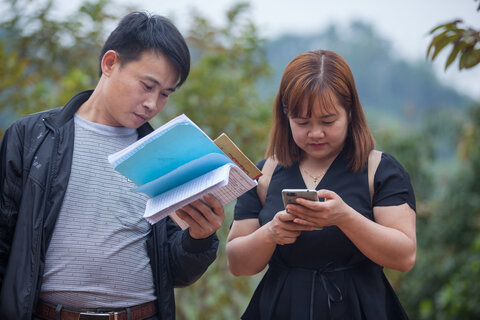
{"x":406,"y":23}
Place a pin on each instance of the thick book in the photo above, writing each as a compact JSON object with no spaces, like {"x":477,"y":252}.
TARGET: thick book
{"x":237,"y":156}
{"x":177,"y":164}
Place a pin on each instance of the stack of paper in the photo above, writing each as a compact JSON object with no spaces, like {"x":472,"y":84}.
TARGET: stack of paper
{"x":177,"y":164}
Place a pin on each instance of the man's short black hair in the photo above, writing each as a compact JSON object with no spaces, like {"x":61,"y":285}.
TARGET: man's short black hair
{"x":139,"y":31}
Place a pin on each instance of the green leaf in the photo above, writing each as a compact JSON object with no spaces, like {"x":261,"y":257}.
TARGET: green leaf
{"x":435,"y":41}
{"x":454,"y":53}
{"x":447,"y":26}
{"x":463,"y":57}
{"x":470,"y":57}
{"x":443,"y":42}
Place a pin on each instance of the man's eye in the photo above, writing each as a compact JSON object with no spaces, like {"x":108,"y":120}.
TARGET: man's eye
{"x":147,"y":87}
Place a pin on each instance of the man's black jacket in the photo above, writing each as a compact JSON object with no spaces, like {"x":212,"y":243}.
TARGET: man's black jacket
{"x":36,"y":158}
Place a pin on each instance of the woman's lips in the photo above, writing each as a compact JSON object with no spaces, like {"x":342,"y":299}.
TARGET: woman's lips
{"x":317,"y":145}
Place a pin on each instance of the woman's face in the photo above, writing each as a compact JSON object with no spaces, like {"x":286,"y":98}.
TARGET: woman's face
{"x":322,"y":135}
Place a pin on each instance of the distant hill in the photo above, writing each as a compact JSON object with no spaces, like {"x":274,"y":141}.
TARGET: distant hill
{"x":386,"y":83}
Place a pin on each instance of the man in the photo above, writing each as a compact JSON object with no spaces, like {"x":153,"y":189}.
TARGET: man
{"x":73,"y":243}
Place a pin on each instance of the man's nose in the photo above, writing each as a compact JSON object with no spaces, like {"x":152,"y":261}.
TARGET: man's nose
{"x":150,"y":104}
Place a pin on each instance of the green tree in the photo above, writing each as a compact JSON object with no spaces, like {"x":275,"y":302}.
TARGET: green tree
{"x":221,"y":95}
{"x":400,"y":140}
{"x":445,"y":283}
{"x":221,"y":92}
{"x":465,"y":44}
{"x":388,"y":85}
{"x":47,"y":60}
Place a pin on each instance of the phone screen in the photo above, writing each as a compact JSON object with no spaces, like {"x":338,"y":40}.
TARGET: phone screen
{"x":289,"y":195}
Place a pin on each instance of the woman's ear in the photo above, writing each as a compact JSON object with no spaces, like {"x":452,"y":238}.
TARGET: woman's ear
{"x":109,"y":60}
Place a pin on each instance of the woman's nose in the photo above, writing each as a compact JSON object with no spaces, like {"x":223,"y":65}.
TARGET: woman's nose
{"x":316,"y":131}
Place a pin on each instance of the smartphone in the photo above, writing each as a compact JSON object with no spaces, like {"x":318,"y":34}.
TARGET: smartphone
{"x":289,"y":195}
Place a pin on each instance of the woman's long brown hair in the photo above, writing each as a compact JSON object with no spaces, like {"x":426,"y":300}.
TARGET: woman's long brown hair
{"x":318,"y":76}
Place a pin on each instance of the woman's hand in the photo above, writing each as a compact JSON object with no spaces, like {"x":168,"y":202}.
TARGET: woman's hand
{"x":389,"y":241}
{"x":283,"y":229}
{"x":332,"y":211}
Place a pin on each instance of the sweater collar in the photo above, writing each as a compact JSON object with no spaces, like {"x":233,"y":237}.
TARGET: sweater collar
{"x":69,"y":110}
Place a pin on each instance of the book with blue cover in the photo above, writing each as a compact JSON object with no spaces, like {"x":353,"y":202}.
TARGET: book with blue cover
{"x":178,"y":163}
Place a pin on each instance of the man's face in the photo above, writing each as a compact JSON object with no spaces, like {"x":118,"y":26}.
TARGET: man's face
{"x":135,"y":92}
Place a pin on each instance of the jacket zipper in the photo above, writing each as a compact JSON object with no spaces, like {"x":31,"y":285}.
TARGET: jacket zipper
{"x":51,"y":170}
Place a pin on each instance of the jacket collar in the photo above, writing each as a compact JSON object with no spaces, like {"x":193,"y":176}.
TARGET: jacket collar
{"x":68,"y":111}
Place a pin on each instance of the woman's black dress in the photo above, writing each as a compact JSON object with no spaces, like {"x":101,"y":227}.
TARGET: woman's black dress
{"x":322,"y":275}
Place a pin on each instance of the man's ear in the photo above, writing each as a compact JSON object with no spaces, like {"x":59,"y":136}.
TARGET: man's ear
{"x":109,"y":60}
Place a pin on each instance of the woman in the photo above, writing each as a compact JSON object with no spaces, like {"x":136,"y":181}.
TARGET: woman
{"x":325,"y":258}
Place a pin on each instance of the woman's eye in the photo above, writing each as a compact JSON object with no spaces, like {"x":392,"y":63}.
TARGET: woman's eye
{"x":302,"y":123}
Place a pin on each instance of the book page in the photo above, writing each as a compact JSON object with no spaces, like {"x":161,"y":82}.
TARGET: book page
{"x":118,"y":157}
{"x":237,"y":185}
{"x":178,"y":163}
{"x":162,"y":205}
{"x":164,"y":151}
{"x":225,"y":183}
{"x":183,"y":174}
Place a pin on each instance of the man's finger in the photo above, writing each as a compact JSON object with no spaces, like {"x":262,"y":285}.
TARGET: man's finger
{"x":214,"y":204}
{"x":190,"y":215}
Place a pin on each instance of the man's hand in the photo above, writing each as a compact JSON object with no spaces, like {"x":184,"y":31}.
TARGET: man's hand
{"x":204,"y":216}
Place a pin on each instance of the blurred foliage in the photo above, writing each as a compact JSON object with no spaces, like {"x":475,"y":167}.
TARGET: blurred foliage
{"x":50,"y":59}
{"x":465,"y":44}
{"x":415,"y":157}
{"x":389,"y":85}
{"x":445,"y":283}
{"x":221,"y":96}
{"x":47,"y":60}
{"x":217,"y":295}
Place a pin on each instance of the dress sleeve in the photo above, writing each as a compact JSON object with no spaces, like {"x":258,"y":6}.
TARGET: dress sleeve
{"x":248,"y":204}
{"x":392,"y":184}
